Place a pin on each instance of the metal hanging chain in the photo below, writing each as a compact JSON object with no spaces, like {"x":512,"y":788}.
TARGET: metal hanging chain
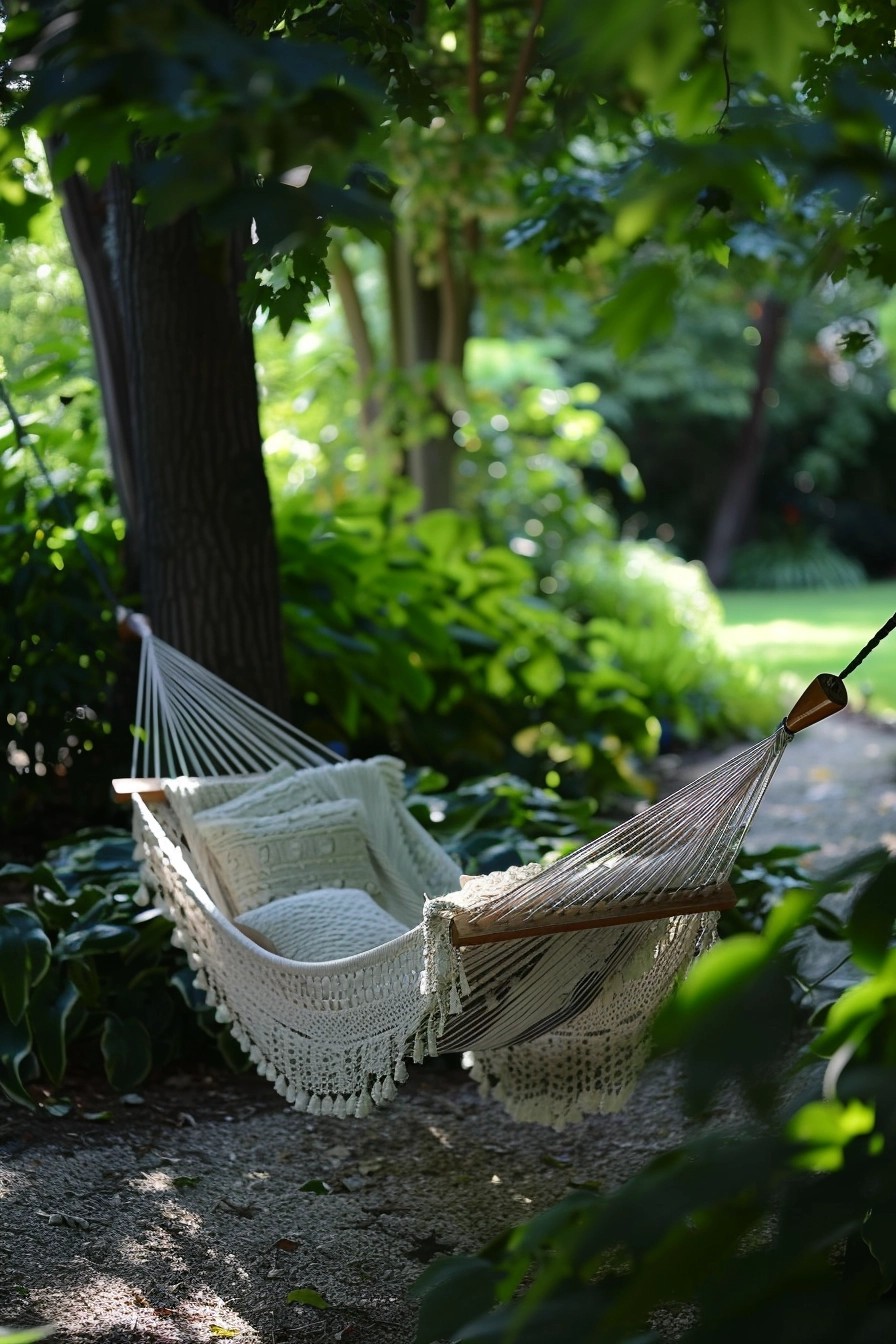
{"x":26,"y":443}
{"x":870,"y":646}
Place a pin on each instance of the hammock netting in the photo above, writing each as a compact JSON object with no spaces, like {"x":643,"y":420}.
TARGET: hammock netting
{"x":339,"y":940}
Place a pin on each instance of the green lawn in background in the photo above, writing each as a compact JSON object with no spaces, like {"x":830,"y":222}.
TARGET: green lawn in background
{"x":805,"y":632}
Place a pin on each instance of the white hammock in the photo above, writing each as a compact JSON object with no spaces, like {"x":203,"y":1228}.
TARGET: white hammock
{"x":338,"y":940}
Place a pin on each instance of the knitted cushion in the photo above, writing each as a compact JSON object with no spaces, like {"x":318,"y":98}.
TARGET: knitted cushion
{"x":258,"y":859}
{"x":323,"y":925}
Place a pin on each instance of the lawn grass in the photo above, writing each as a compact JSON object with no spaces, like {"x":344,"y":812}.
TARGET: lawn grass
{"x":810,"y":631}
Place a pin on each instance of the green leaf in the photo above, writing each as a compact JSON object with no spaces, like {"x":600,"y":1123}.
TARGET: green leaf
{"x":642,"y":306}
{"x":127,"y":1051}
{"x":858,"y":1010}
{"x":99,"y":939}
{"x":308,"y":1297}
{"x":29,"y":1336}
{"x":49,"y":1017}
{"x":871,"y":920}
{"x":727,"y":966}
{"x":826,"y":1127}
{"x":543,"y":674}
{"x":451,"y":1293}
{"x":15,"y":1047}
{"x":772,"y":36}
{"x":790,"y":913}
{"x":25,"y":953}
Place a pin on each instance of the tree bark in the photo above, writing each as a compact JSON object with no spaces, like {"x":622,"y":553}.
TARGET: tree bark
{"x":199,"y":506}
{"x":83,"y":217}
{"x":433,"y":323}
{"x":738,"y":499}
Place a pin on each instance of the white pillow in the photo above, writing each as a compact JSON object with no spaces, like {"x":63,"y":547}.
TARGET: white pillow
{"x":323,"y":925}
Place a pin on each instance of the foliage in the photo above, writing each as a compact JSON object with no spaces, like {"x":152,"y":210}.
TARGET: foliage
{"x":500,"y":820}
{"x":794,"y":561}
{"x":737,"y":136}
{"x":542,"y":473}
{"x":407,"y":623}
{"x":212,"y":112}
{"x":537,"y":464}
{"x":56,"y":532}
{"x":779,"y":1230}
{"x":658,"y":617}
{"x":826,"y":414}
{"x":89,"y":976}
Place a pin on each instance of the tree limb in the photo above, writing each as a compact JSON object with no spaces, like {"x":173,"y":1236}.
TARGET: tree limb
{"x":518,"y":87}
{"x":474,"y":66}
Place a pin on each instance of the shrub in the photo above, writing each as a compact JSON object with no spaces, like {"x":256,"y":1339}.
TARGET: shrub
{"x":795,"y":561}
{"x":423,"y":627}
{"x":658,"y":617}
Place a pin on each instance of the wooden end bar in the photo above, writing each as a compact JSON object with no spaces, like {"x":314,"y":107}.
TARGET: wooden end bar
{"x":825,"y":696}
{"x":467,"y":932}
{"x":150,"y":790}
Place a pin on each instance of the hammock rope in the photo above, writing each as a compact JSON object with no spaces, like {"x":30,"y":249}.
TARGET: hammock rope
{"x":886,"y":629}
{"x":192,"y":722}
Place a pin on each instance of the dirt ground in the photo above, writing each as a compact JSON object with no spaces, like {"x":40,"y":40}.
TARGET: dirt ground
{"x":192,"y":1212}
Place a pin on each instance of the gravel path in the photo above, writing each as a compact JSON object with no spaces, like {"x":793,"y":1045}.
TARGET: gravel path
{"x":192,"y":1214}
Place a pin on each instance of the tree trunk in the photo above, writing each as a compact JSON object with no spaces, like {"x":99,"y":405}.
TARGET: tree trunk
{"x":83,"y":216}
{"x":739,"y":494}
{"x":173,"y":349}
{"x":433,"y":325}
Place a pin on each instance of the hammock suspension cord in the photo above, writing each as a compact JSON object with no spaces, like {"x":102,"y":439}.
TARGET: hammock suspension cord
{"x":872,"y":644}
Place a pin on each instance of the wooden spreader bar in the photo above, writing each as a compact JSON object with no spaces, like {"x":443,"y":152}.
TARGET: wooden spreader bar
{"x":150,"y":790}
{"x":467,"y":932}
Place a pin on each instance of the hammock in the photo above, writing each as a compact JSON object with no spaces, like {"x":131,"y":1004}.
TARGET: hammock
{"x":338,"y":940}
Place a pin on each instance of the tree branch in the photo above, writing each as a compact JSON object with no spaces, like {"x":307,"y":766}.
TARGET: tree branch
{"x":474,"y":66}
{"x":518,"y":86}
{"x":358,"y":330}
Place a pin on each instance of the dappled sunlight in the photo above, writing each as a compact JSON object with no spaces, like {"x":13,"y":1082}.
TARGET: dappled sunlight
{"x":818,"y":630}
{"x":796,"y":634}
{"x":198,"y":1313}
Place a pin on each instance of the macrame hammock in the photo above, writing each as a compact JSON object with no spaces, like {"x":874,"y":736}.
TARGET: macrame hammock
{"x":338,"y":940}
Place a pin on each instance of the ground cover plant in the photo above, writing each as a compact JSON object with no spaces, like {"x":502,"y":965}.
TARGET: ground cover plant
{"x":89,"y":977}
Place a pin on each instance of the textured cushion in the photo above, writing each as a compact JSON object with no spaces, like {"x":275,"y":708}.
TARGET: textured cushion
{"x":259,"y":859}
{"x":322,"y":925}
